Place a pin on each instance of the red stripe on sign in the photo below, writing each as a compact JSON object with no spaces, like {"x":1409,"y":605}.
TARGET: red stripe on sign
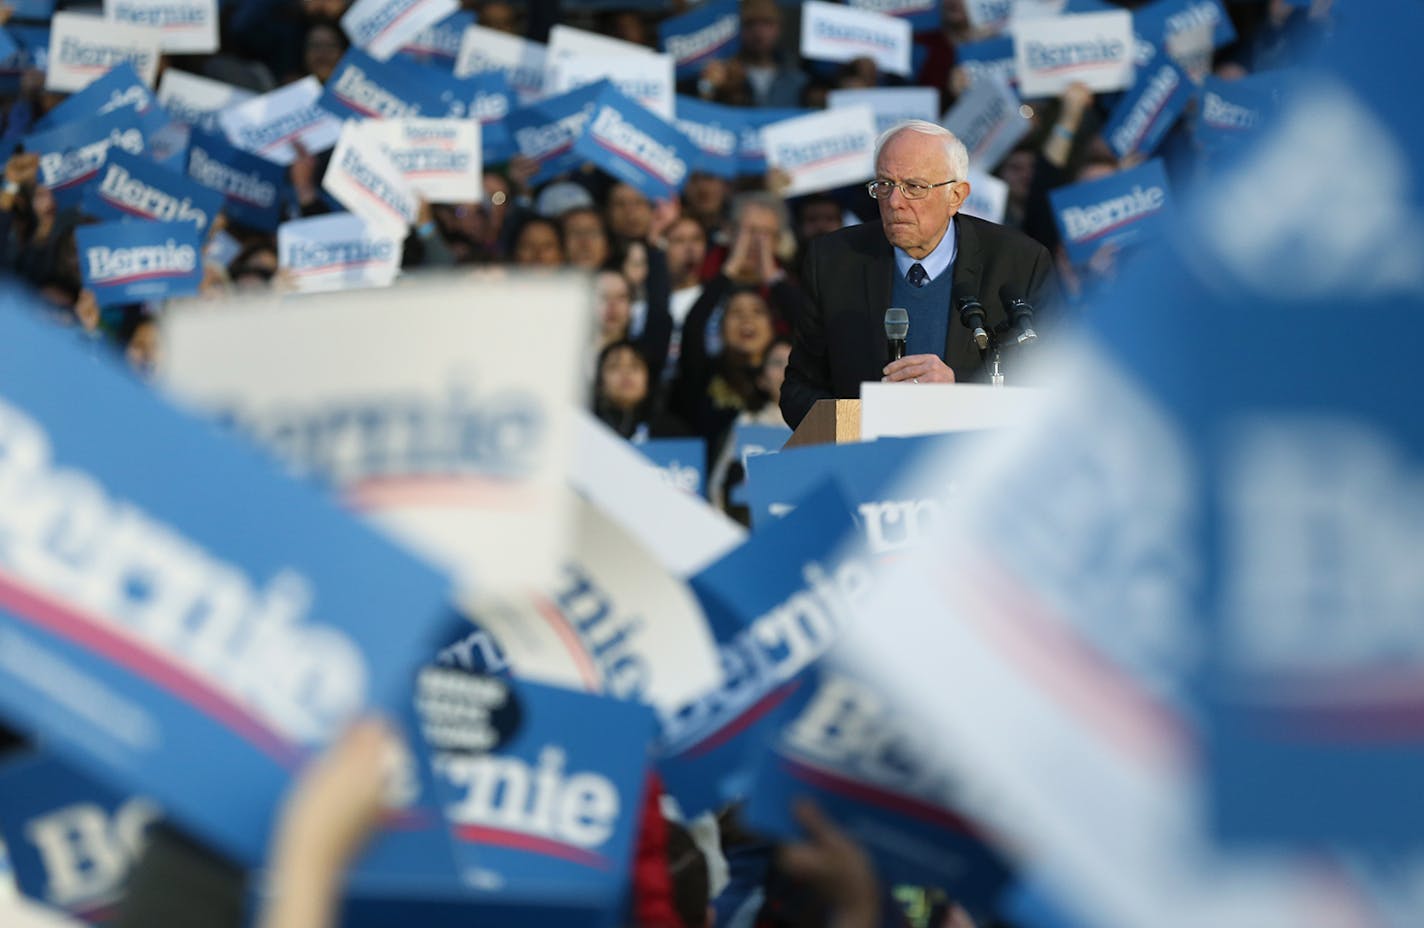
{"x":1029,"y":634}
{"x":376,"y":493}
{"x":99,"y":637}
{"x":393,"y":23}
{"x":572,"y":642}
{"x":478,"y":834}
{"x":745,"y":720}
{"x":332,"y":268}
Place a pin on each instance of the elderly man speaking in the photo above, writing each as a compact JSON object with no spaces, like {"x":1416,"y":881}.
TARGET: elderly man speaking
{"x":923,"y":256}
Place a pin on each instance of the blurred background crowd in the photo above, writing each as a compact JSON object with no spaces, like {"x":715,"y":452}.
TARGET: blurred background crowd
{"x":696,"y":297}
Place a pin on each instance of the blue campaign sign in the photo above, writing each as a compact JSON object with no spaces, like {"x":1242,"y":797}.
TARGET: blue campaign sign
{"x":132,"y":262}
{"x":1124,"y":209}
{"x":1231,"y":111}
{"x":120,"y":88}
{"x":751,"y":154}
{"x":709,"y":32}
{"x":192,"y":640}
{"x":440,"y":44}
{"x":841,"y":742}
{"x":749,"y":441}
{"x":774,"y":605}
{"x":547,"y":821}
{"x":872,"y":477}
{"x":485,"y":96}
{"x":363,"y":88}
{"x":251,"y":186}
{"x":72,"y":840}
{"x":681,"y":462}
{"x":923,"y":15}
{"x":636,"y":146}
{"x":489,"y":98}
{"x":130,"y":187}
{"x":33,"y":9}
{"x":1316,"y":648}
{"x":8,"y":47}
{"x":1145,"y":113}
{"x":547,"y":130}
{"x":1160,"y":21}
{"x":716,"y":130}
{"x":31,"y":43}
{"x":988,"y":58}
{"x":71,"y":155}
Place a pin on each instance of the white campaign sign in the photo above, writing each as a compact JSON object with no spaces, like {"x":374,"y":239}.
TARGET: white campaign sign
{"x":823,"y":151}
{"x":897,"y":409}
{"x":682,"y":531}
{"x":831,"y":32}
{"x":988,"y":197}
{"x":365,"y":180}
{"x":614,"y":621}
{"x":439,"y":158}
{"x":197,"y":100}
{"x":891,"y":104}
{"x":1053,"y":52}
{"x":267,"y":125}
{"x":566,"y":41}
{"x":337,"y":251}
{"x":381,"y":27}
{"x":83,"y":48}
{"x":429,"y":419}
{"x":988,"y":16}
{"x":521,"y":60}
{"x":648,"y":79}
{"x":189,"y":26}
{"x":989,"y":120}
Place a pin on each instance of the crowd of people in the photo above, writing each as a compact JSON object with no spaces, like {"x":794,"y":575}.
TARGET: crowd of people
{"x":696,"y":301}
{"x":693,"y":294}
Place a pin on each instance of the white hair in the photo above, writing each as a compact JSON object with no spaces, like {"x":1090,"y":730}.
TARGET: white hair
{"x":954,"y":149}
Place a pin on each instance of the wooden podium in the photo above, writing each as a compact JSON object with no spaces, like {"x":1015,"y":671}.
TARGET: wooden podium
{"x":829,"y":422}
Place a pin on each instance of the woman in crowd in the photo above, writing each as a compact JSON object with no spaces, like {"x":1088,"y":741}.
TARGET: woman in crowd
{"x":624,"y":398}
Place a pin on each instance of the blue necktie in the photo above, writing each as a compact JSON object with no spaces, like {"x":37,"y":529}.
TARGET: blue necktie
{"x":917,"y":276}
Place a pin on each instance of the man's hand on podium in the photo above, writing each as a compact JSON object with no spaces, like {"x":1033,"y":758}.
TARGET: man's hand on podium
{"x":918,"y":368}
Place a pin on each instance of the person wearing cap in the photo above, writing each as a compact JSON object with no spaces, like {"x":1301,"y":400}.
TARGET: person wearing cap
{"x":923,"y":255}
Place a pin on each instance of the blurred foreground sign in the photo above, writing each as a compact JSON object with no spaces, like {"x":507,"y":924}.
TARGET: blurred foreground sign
{"x":175,"y":618}
{"x":421,"y":410}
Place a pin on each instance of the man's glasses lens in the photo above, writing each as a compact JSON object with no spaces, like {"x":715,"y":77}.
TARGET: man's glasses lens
{"x":880,"y":189}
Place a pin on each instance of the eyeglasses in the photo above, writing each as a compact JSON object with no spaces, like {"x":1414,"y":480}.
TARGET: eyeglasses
{"x":880,"y":189}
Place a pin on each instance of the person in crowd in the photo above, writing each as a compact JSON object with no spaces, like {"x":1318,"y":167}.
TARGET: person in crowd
{"x":254,"y":266}
{"x":630,"y":213}
{"x":686,"y":253}
{"x":613,"y":305}
{"x":625,"y":398}
{"x":323,"y":47}
{"x":761,"y":216}
{"x":706,"y":198}
{"x":773,"y":79}
{"x":585,"y":238}
{"x":923,"y":255}
{"x":1017,"y":171}
{"x":816,"y":215}
{"x":727,"y":471}
{"x":538,"y":243}
{"x":713,"y":387}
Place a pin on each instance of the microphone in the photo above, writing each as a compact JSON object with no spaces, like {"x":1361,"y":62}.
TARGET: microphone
{"x":897,"y":328}
{"x":1020,"y":318}
{"x":971,"y":313}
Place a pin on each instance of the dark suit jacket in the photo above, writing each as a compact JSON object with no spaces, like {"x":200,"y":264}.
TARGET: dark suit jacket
{"x":840,"y":341}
